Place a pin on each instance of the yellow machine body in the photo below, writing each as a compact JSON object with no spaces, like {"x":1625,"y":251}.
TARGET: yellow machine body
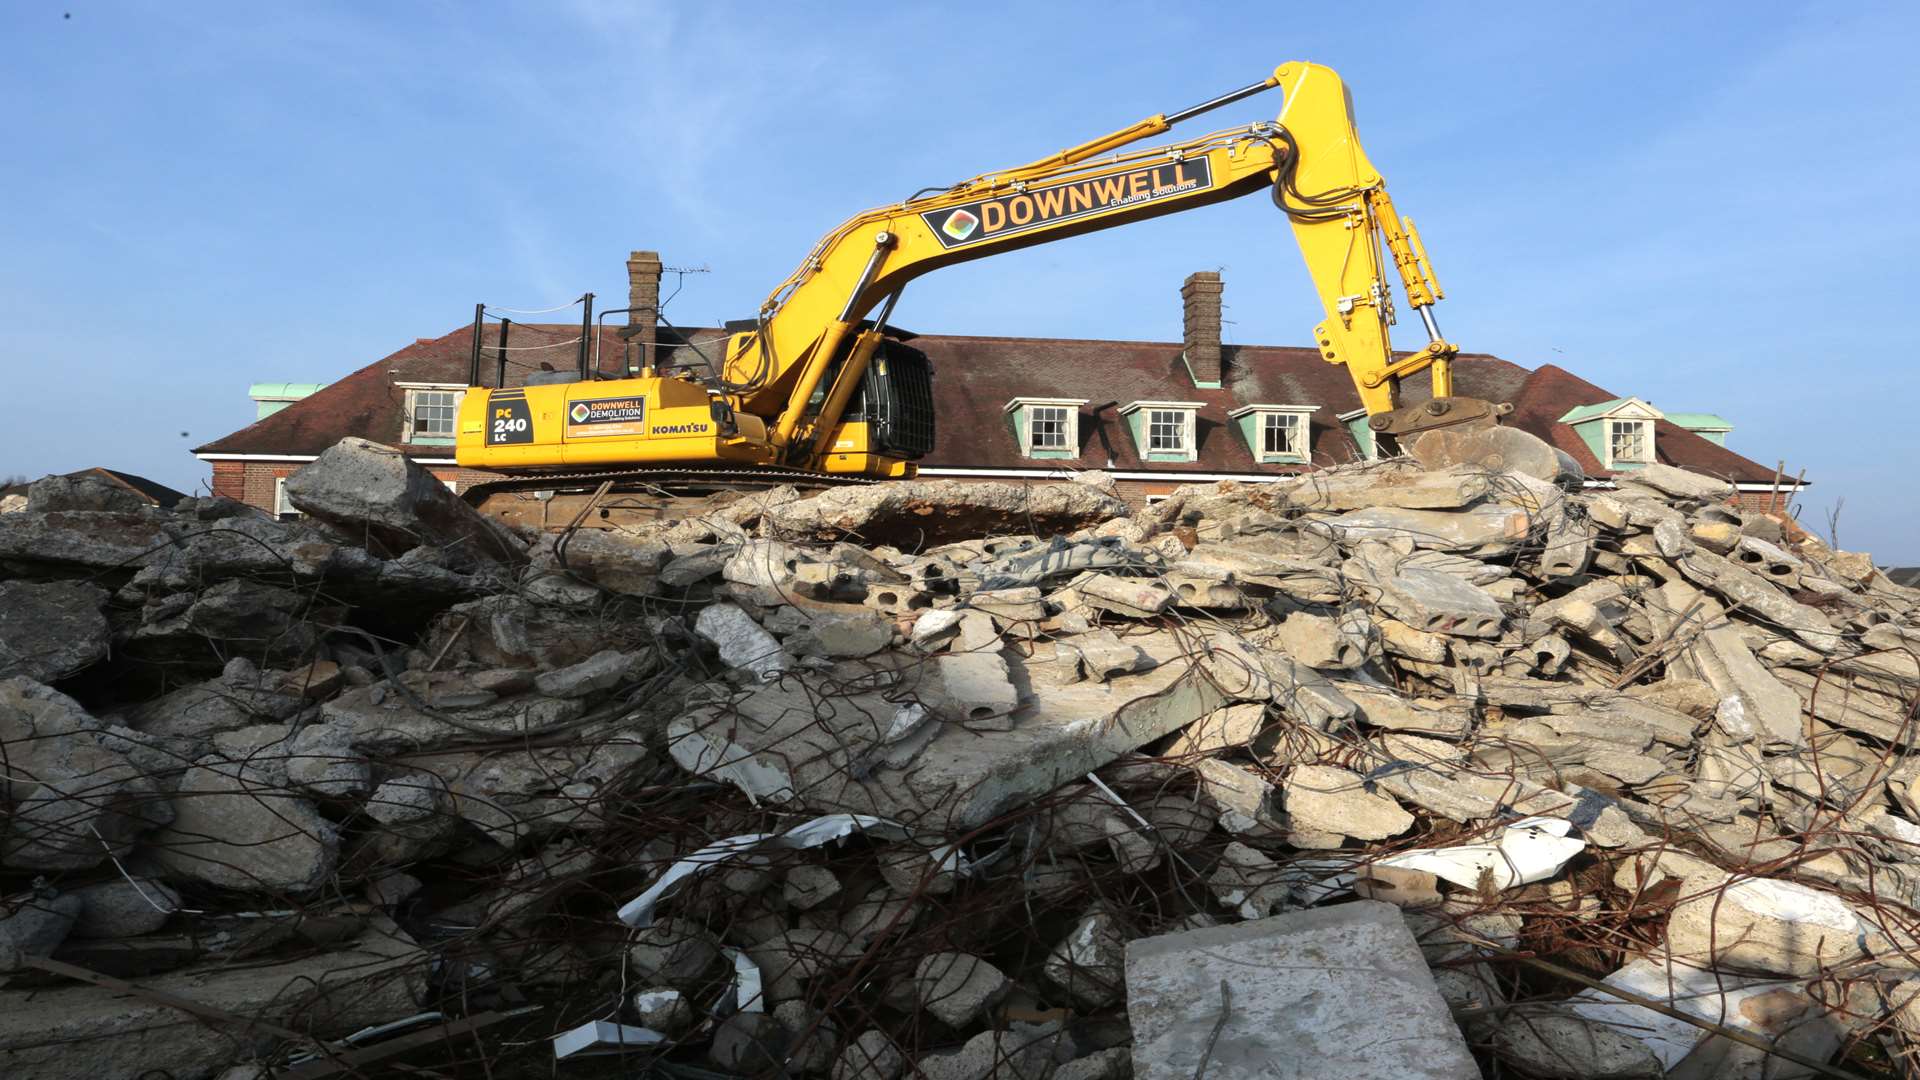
{"x":652,"y":421}
{"x":784,"y":386}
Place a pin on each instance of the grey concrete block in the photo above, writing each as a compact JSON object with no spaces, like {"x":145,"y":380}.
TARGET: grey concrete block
{"x":1340,"y":991}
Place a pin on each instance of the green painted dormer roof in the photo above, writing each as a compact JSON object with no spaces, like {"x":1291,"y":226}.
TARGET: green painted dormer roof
{"x":1588,"y":412}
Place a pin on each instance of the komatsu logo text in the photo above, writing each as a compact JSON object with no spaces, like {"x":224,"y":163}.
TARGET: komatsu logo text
{"x":975,"y":222}
{"x":679,"y":429}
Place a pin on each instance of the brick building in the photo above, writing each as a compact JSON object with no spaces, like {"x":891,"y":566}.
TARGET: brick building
{"x":1153,"y":414}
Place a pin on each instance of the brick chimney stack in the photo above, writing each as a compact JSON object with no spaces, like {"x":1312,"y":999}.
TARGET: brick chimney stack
{"x":643,"y":294}
{"x":1200,"y":304}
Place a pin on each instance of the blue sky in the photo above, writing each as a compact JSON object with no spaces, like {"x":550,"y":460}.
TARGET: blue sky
{"x":1711,"y":208}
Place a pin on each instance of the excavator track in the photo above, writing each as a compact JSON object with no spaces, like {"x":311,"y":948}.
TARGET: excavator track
{"x":612,"y":499}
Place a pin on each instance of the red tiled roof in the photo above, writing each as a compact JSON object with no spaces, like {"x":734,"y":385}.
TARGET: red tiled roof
{"x":151,"y":490}
{"x":975,"y":378}
{"x":1551,"y":391}
{"x":368,"y":403}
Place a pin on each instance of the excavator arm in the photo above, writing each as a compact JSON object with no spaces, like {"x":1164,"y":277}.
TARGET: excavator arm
{"x":782,"y":391}
{"x":1310,"y":159}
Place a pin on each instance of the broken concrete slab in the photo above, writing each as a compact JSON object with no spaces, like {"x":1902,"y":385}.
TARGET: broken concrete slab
{"x":1761,"y":924}
{"x":792,"y":744}
{"x":1340,"y":991}
{"x":957,"y":987}
{"x":70,"y":1031}
{"x":870,"y":1056}
{"x":374,"y":491}
{"x":233,"y":828}
{"x":921,"y":513}
{"x":51,"y":630}
{"x":1497,"y":450}
{"x":1323,"y":642}
{"x":1488,"y":528}
{"x":741,"y":641}
{"x":601,"y":671}
{"x":402,"y":715}
{"x":1321,"y":798}
{"x":1680,"y":482}
{"x":73,"y":797}
{"x":1427,"y":600}
{"x":1134,"y":598}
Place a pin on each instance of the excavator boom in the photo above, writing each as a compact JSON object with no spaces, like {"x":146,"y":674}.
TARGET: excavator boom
{"x":783,"y":389}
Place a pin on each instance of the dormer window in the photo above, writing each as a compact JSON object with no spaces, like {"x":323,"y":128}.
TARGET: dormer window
{"x":1046,"y":427}
{"x":1276,"y":434}
{"x":1629,"y":441}
{"x":432,"y":411}
{"x":1620,"y":432}
{"x":1164,"y":430}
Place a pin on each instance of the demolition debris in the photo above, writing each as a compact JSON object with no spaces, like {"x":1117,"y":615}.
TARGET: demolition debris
{"x":1416,"y":768}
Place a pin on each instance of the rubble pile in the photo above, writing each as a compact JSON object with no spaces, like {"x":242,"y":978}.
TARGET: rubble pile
{"x":1444,"y":765}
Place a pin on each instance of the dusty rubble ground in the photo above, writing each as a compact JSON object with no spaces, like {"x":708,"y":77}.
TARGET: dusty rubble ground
{"x":958,"y":780}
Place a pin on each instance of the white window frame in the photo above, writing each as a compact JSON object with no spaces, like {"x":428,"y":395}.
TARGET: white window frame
{"x":282,"y":509}
{"x":1189,"y":414}
{"x":1049,"y":415}
{"x":412,"y":434}
{"x":1302,"y":415}
{"x":1169,"y":431}
{"x":1613,"y":430}
{"x":1027,"y":405}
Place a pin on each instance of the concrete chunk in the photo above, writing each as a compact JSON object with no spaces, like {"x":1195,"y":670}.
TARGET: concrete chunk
{"x":1321,"y":798}
{"x":233,"y":829}
{"x":1490,"y":527}
{"x":1761,"y":924}
{"x":957,"y":987}
{"x":1341,"y":991}
{"x":1135,"y":598}
{"x":1498,"y":449}
{"x":1323,"y":642}
{"x":1428,"y":600}
{"x":741,"y":641}
{"x":50,"y":631}
{"x":378,"y":492}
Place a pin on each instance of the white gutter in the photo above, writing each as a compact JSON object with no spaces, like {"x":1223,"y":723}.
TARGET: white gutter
{"x":308,"y":457}
{"x":1068,"y":474}
{"x":1784,"y":485}
{"x":1035,"y":474}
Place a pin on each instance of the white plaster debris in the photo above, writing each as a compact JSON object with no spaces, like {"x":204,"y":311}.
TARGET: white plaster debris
{"x":1710,"y":995}
{"x":604,"y":1037}
{"x":638,"y":912}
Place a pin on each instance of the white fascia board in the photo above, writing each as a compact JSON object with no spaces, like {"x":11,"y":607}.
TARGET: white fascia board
{"x":1135,"y":406}
{"x":1785,"y":485}
{"x":1350,"y":415}
{"x":1245,"y":409}
{"x":306,"y":457}
{"x":255,"y":457}
{"x":1067,"y":474}
{"x":431,"y":385}
{"x":1071,"y":403}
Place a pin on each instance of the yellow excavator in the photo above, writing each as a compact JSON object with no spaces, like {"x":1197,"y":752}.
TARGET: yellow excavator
{"x":810,"y":387}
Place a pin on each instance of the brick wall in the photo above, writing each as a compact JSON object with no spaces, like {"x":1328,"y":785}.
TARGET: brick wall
{"x":1780,"y":502}
{"x":230,"y":479}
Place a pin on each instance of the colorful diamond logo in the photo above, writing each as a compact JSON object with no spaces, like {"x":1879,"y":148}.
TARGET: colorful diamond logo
{"x":580,"y":413}
{"x":960,"y":224}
